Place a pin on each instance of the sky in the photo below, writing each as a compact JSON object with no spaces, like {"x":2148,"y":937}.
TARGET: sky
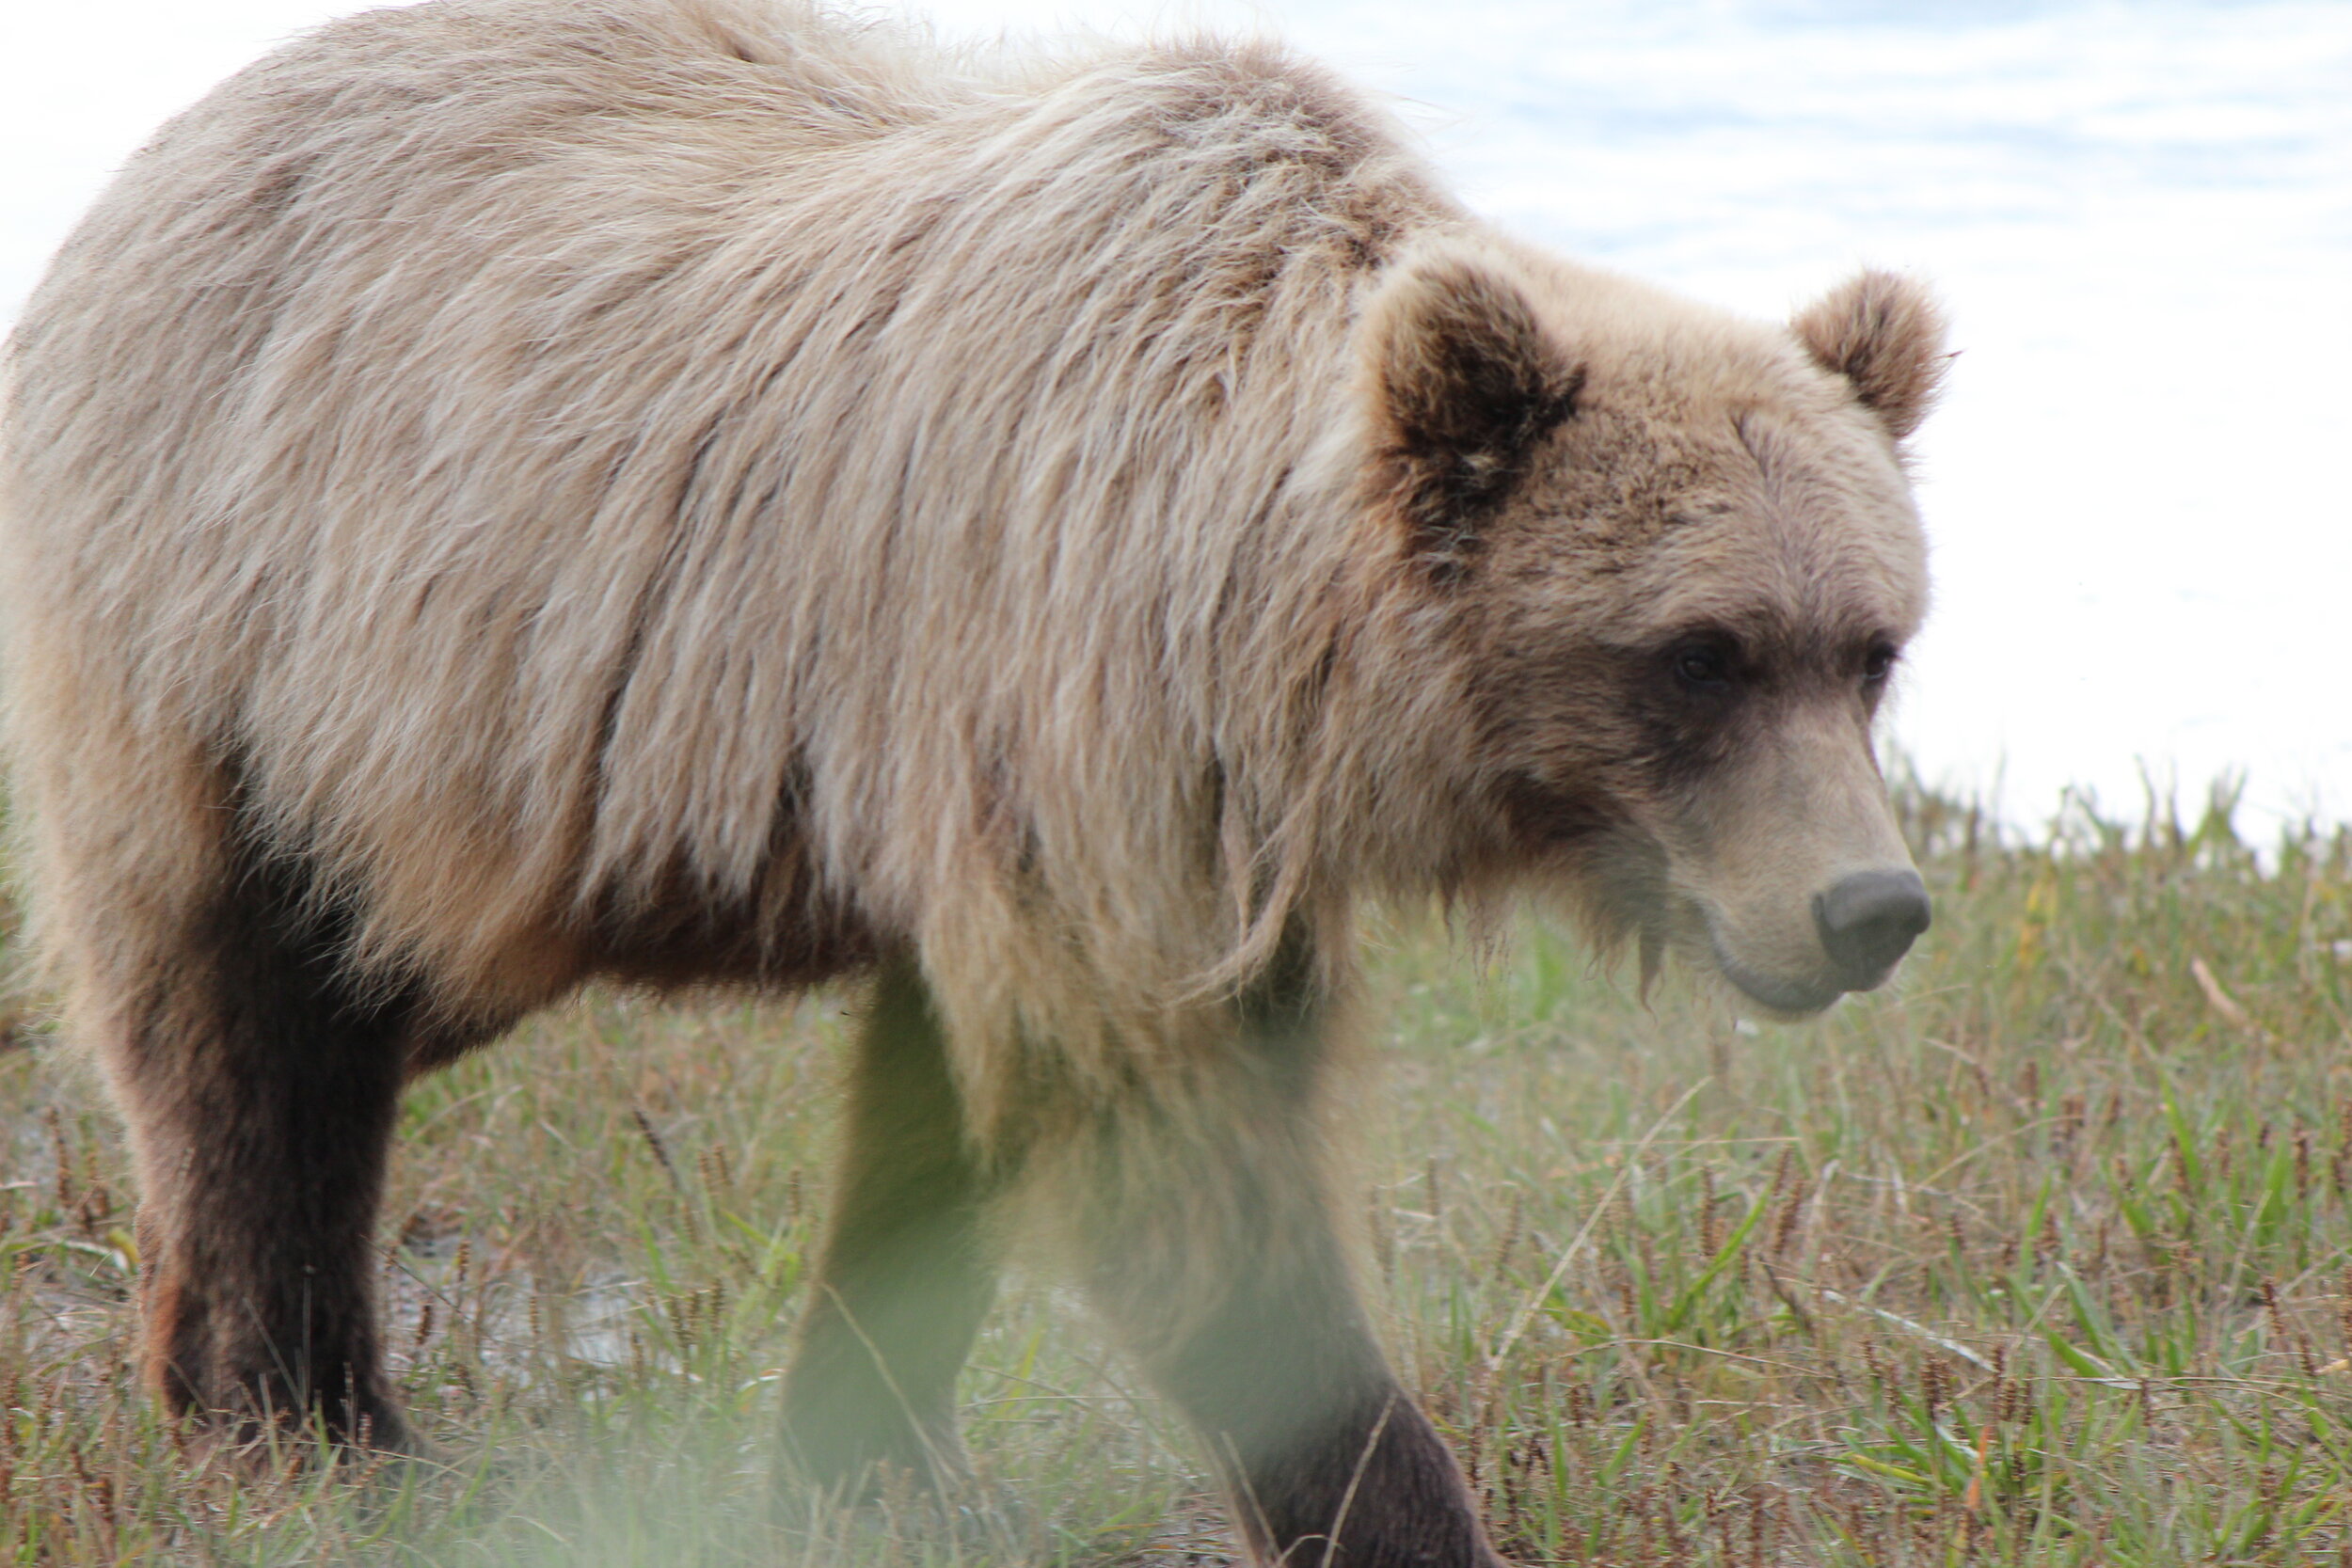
{"x":2140,"y":216}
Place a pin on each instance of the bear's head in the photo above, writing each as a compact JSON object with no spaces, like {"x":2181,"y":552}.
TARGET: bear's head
{"x":1676,"y":560}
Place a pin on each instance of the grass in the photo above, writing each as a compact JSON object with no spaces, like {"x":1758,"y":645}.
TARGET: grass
{"x":2043,"y":1258}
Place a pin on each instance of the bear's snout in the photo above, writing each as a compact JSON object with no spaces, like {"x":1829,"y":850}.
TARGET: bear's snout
{"x":1868,"y":921}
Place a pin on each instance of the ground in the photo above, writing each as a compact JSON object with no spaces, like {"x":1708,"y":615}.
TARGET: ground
{"x":2039,"y":1256}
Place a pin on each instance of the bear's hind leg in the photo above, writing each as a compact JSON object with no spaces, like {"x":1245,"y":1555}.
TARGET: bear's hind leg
{"x":260,"y":1085}
{"x":905,"y":1275}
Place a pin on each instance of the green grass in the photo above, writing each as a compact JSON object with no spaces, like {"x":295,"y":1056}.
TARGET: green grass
{"x":2040,"y":1258}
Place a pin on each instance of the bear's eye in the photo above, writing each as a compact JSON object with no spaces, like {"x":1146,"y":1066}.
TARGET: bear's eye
{"x":1878,"y":664}
{"x":1703,"y":666}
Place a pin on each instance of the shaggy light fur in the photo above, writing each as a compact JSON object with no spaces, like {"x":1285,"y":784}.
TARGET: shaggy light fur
{"x":596,"y":477}
{"x":693,"y":489}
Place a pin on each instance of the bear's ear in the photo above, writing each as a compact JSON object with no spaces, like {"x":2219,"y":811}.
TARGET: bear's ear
{"x":1465,"y":383}
{"x":1883,"y":332}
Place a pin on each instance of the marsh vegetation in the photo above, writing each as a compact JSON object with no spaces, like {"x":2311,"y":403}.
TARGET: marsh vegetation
{"x":2044,"y":1256}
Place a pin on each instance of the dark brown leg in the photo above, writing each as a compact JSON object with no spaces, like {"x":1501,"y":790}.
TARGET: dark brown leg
{"x":905,"y":1277}
{"x":1218,"y":1258}
{"x":259,"y":1086}
{"x":1327,"y":1462}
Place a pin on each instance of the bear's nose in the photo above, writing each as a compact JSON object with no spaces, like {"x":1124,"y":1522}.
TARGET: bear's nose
{"x":1867,"y":922}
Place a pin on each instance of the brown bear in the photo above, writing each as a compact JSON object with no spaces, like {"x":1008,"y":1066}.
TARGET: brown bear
{"x":511,"y":493}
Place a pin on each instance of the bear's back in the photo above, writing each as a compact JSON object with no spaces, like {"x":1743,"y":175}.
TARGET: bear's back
{"x":537,"y":438}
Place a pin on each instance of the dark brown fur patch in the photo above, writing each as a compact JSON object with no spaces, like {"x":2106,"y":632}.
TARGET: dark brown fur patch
{"x":782,"y":930}
{"x":1467,"y":386}
{"x":260,"y":1085}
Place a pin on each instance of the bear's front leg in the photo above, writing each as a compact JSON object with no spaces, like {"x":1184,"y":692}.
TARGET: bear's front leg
{"x":1325,"y":1458}
{"x":259,"y":1086}
{"x":905,"y":1275}
{"x":1215,"y":1256}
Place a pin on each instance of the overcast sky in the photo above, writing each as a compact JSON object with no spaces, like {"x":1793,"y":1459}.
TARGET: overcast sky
{"x":2140,"y":216}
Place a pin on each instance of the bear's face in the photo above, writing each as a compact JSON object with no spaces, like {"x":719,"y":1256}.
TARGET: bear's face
{"x":1680,"y":560}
